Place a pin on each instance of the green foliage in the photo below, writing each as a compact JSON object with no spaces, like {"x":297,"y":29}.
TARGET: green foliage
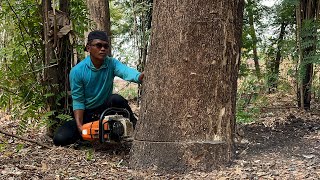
{"x":316,"y":86}
{"x":129,"y":28}
{"x":248,"y":97}
{"x":64,"y":117}
{"x":129,"y":93}
{"x":310,"y":56}
{"x":81,"y":23}
{"x":19,"y":147}
{"x":20,"y":56}
{"x":90,"y":154}
{"x":22,"y":88}
{"x":258,"y":11}
{"x":3,"y":146}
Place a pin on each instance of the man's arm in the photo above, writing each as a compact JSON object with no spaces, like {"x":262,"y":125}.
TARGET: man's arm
{"x":126,"y":73}
{"x":78,"y":115}
{"x":77,"y":92}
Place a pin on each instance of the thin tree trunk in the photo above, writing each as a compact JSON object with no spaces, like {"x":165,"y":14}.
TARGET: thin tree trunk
{"x":307,"y":12}
{"x":66,"y":55}
{"x":144,"y":27}
{"x":275,"y":64}
{"x":100,"y":14}
{"x":254,"y":39}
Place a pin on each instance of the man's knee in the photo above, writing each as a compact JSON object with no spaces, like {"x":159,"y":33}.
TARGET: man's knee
{"x":63,"y":140}
{"x":116,"y":100}
{"x":66,"y":134}
{"x":59,"y":140}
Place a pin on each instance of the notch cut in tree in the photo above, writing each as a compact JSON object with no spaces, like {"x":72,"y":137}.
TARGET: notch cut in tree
{"x":187,"y":116}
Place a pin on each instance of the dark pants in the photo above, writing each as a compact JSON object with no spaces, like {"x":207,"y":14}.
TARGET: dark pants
{"x":68,"y":133}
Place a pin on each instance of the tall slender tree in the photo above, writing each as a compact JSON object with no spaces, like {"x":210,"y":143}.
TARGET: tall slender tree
{"x":251,"y":5}
{"x":100,"y":14}
{"x":306,"y":14}
{"x":283,"y":21}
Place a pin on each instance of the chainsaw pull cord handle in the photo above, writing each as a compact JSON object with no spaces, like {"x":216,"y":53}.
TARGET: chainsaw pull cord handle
{"x":108,"y":110}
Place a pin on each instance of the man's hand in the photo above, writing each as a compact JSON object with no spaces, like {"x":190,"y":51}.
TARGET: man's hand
{"x":79,"y":128}
{"x":141,"y":77}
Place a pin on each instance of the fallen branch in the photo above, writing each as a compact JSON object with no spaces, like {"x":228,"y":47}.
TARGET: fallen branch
{"x":279,"y":107}
{"x":25,"y":139}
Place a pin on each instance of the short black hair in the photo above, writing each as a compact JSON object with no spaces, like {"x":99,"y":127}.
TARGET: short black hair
{"x":96,"y":34}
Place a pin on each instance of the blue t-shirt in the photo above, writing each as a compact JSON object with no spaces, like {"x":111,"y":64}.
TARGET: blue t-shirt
{"x":90,"y":87}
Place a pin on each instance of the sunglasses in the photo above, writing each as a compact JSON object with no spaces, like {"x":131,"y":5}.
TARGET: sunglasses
{"x":100,"y":45}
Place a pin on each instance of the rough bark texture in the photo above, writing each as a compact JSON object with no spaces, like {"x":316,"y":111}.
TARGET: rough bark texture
{"x":188,"y":105}
{"x":307,"y":11}
{"x":100,"y":15}
{"x":57,"y":59}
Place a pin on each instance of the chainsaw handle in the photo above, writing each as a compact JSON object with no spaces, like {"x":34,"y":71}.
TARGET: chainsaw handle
{"x":106,"y":111}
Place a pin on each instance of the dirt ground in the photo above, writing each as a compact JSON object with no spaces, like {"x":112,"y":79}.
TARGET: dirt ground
{"x":284,"y":143}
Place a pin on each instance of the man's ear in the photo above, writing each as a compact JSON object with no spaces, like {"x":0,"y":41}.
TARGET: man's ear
{"x":88,"y":48}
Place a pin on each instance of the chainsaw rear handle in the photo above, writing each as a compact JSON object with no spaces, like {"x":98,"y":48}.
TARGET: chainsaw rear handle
{"x":105,"y":112}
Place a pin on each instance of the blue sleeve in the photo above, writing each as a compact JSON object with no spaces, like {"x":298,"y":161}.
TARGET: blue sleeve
{"x":125,"y":72}
{"x":77,"y":90}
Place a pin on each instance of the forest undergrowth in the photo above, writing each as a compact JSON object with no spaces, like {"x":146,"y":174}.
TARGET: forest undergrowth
{"x":282,"y":142}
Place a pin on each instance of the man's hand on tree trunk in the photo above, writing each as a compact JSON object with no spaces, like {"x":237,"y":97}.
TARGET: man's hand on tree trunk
{"x":141,"y":77}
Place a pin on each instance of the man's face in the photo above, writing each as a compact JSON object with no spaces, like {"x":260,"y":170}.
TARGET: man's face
{"x":98,"y":49}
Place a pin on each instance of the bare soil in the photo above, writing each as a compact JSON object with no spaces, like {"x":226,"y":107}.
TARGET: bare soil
{"x":284,"y":143}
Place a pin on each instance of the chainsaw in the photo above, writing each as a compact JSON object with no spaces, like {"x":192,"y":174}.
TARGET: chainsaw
{"x":109,"y":128}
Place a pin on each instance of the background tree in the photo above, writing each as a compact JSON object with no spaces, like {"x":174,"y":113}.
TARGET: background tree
{"x":251,"y":8}
{"x":253,"y":29}
{"x":188,"y":105}
{"x":283,"y":23}
{"x":285,"y":48}
{"x":37,"y":56}
{"x":57,"y":58}
{"x":307,"y":14}
{"x":99,"y":13}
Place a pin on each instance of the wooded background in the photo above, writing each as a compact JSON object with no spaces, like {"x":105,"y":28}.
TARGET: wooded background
{"x":42,"y":40}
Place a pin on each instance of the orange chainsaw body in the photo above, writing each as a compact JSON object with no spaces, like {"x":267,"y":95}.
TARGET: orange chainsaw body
{"x":90,"y":131}
{"x":113,"y":128}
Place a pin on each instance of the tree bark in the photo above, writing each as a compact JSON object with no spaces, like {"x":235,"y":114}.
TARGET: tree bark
{"x":275,"y":63}
{"x":188,"y":104}
{"x":57,"y":62}
{"x":307,"y":11}
{"x":254,"y":39}
{"x":100,"y":14}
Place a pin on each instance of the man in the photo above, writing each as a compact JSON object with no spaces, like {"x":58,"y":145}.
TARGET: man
{"x":91,"y":83}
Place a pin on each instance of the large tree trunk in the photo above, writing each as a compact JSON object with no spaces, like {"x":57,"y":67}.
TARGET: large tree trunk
{"x":100,"y":14}
{"x":188,"y":106}
{"x":306,"y":11}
